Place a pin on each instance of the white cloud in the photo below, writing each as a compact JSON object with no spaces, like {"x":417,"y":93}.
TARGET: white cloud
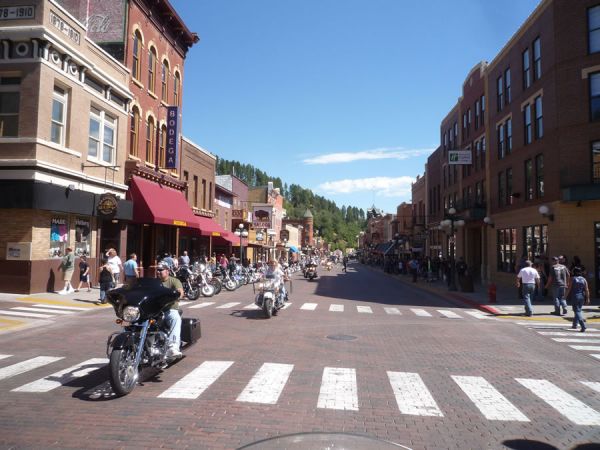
{"x":378,"y":153}
{"x":382,"y":186}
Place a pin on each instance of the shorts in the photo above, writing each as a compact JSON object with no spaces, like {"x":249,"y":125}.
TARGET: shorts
{"x":68,"y":274}
{"x":84,"y":278}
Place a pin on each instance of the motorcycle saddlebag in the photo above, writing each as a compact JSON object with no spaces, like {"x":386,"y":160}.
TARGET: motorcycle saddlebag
{"x":190,"y":330}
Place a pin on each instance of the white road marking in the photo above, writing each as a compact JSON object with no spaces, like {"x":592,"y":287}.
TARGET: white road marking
{"x":63,"y":377}
{"x":580,"y":340}
{"x":184,"y":303}
{"x":412,"y":395}
{"x":544,"y":325}
{"x":592,"y":385}
{"x":394,"y":311}
{"x":478,"y":314}
{"x":492,"y":404}
{"x":576,"y":411}
{"x":27,"y":308}
{"x":560,"y":333}
{"x":336,"y":308}
{"x":594,"y":348}
{"x":420,"y":312}
{"x":595,"y":355}
{"x":309,"y":306}
{"x":22,"y":314}
{"x":364,"y":309}
{"x":5,"y":356}
{"x":287,"y":305}
{"x":26,"y":366}
{"x":338,"y":389}
{"x":228,"y":305}
{"x":449,"y":314}
{"x":252,"y":306}
{"x":268,"y":383}
{"x":197,"y":381}
{"x":68,"y":308}
{"x":202,"y":305}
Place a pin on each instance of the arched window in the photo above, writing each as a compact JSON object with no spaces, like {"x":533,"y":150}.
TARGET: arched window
{"x":137,"y":51}
{"x":134,"y":131}
{"x":162,"y":144}
{"x":176,"y":84}
{"x":150,"y":133}
{"x":165,"y":81}
{"x":152,"y":69}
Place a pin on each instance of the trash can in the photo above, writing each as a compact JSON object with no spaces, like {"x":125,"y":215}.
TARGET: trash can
{"x":466,"y":283}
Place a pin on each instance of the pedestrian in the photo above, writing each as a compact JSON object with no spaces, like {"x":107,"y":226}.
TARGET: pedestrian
{"x":67,"y":266}
{"x":184,"y":260}
{"x":131,"y":270}
{"x":577,"y":263}
{"x":84,"y":273}
{"x":559,"y":280}
{"x":115,"y":264}
{"x":579,"y":294}
{"x":528,"y":279}
{"x":413,"y":266}
{"x":105,"y":278}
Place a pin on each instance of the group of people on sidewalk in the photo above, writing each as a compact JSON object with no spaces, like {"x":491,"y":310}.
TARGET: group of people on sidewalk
{"x":566,"y":285}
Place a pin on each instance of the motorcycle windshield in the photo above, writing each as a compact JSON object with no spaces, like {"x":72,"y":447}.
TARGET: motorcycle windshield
{"x":148,"y":294}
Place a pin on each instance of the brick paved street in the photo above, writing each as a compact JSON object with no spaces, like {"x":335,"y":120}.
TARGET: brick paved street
{"x":422,"y":372}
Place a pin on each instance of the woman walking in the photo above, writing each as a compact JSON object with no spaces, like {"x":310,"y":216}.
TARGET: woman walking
{"x":579,"y":294}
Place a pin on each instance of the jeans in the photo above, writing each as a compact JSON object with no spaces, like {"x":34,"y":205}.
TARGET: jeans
{"x":578,"y":302}
{"x":528,"y":290}
{"x":559,"y":297}
{"x":173,"y":322}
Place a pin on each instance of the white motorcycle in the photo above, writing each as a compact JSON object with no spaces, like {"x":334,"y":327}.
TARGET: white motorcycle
{"x":271,"y":296}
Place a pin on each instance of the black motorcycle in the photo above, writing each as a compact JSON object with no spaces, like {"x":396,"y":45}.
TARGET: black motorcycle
{"x":143,"y":342}
{"x":191,"y":287}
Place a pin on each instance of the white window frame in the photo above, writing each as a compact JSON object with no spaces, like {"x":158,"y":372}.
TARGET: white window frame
{"x":106,"y":121}
{"x":62,"y":98}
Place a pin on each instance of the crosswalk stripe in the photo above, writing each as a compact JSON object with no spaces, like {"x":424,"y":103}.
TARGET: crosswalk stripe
{"x":544,"y":325}
{"x":66,"y":308}
{"x":412,"y":395}
{"x":364,"y":309}
{"x":420,"y":312}
{"x":26,"y":308}
{"x":595,"y":355}
{"x":580,"y":340}
{"x":268,"y":383}
{"x":336,"y":308}
{"x":252,"y":306}
{"x":5,"y":356}
{"x":477,"y":314}
{"x":492,"y":404}
{"x":202,"y":305}
{"x":576,"y":411}
{"x":559,"y":333}
{"x":23,"y":314}
{"x":594,"y":348}
{"x":197,"y":381}
{"x":228,"y":305}
{"x":338,"y":389}
{"x":449,"y":314}
{"x":309,"y":306}
{"x":184,"y":303}
{"x":394,"y":311}
{"x":287,"y":305}
{"x":26,"y":366}
{"x":592,"y":385}
{"x":63,"y":377}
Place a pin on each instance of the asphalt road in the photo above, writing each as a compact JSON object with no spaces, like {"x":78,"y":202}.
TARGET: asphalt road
{"x":359,"y":353}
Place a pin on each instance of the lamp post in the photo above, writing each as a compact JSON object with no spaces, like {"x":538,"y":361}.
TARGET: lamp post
{"x":242,"y":233}
{"x":287,"y":252}
{"x":452,"y":221}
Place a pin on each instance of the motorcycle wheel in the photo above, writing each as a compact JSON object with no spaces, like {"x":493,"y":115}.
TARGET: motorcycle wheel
{"x":216,"y":283}
{"x":123,"y":375}
{"x":193,"y":293}
{"x":231,"y":285}
{"x":208,"y":290}
{"x":268,"y":308}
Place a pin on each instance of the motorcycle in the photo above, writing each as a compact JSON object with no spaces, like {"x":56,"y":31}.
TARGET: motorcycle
{"x":143,"y":342}
{"x":188,"y":281}
{"x":270,"y":297}
{"x":311,"y":272}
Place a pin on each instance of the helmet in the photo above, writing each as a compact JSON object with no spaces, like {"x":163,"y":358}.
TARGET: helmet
{"x":162,"y":266}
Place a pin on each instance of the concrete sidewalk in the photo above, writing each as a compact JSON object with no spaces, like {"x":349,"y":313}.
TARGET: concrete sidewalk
{"x":507,"y":304}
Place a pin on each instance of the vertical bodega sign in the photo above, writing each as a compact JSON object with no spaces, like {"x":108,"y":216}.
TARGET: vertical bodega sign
{"x":172,"y":137}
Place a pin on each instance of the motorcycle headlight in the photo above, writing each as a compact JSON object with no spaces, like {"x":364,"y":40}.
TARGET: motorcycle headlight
{"x":131,"y":313}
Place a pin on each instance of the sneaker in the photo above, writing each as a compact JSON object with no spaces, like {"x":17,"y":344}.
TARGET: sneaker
{"x":173,"y":351}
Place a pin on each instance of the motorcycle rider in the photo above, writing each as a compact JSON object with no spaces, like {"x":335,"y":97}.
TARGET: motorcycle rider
{"x":279,"y":276}
{"x":172,"y":317}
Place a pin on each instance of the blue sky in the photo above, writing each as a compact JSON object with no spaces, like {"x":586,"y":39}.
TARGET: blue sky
{"x":344,"y":97}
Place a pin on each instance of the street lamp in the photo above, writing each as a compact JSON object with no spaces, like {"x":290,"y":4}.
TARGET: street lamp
{"x":452,"y":221}
{"x":242,"y":233}
{"x":287,"y":251}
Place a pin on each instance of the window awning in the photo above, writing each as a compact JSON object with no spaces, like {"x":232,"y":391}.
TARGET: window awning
{"x":209,"y":227}
{"x":156,"y":203}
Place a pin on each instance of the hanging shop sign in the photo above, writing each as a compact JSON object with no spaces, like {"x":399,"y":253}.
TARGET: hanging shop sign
{"x":460,"y":157}
{"x":260,"y":236}
{"x":261,"y":216}
{"x":171,"y":150}
{"x":107,"y":205}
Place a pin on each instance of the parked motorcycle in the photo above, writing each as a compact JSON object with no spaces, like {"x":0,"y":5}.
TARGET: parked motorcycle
{"x":143,"y":342}
{"x":270,"y":297}
{"x":188,"y":280}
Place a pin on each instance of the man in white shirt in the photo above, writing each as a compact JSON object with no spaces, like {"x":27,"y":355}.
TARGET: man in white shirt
{"x":528,"y":278}
{"x":279,"y":275}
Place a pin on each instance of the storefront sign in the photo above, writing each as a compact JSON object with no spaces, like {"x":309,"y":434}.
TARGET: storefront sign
{"x":456,"y":157}
{"x":172,"y":137}
{"x":180,"y":223}
{"x":18,"y":251}
{"x":107,"y":205}
{"x":17,"y":12}
{"x":215,"y":234}
{"x":259,"y":236}
{"x":262,"y":216}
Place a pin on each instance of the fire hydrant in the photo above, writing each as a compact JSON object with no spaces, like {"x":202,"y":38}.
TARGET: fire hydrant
{"x":492,"y":293}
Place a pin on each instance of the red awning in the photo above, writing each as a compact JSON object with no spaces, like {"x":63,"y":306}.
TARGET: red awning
{"x":156,"y":203}
{"x":209,"y":227}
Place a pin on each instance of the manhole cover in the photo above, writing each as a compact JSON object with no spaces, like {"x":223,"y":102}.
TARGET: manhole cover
{"x":323,"y":441}
{"x":341,"y":337}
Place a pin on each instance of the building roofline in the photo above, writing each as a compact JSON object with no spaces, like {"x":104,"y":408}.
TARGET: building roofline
{"x":206,"y":152}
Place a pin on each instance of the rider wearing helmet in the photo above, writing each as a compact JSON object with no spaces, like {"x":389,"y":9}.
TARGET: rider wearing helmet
{"x":172,"y":317}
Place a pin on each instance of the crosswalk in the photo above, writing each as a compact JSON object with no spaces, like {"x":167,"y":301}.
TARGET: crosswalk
{"x":585,"y":342}
{"x":359,"y":309}
{"x":43,"y":311}
{"x":340,"y":389}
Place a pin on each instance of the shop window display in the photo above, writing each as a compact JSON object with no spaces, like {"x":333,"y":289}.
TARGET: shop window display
{"x":59,"y":236}
{"x":82,"y":237}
